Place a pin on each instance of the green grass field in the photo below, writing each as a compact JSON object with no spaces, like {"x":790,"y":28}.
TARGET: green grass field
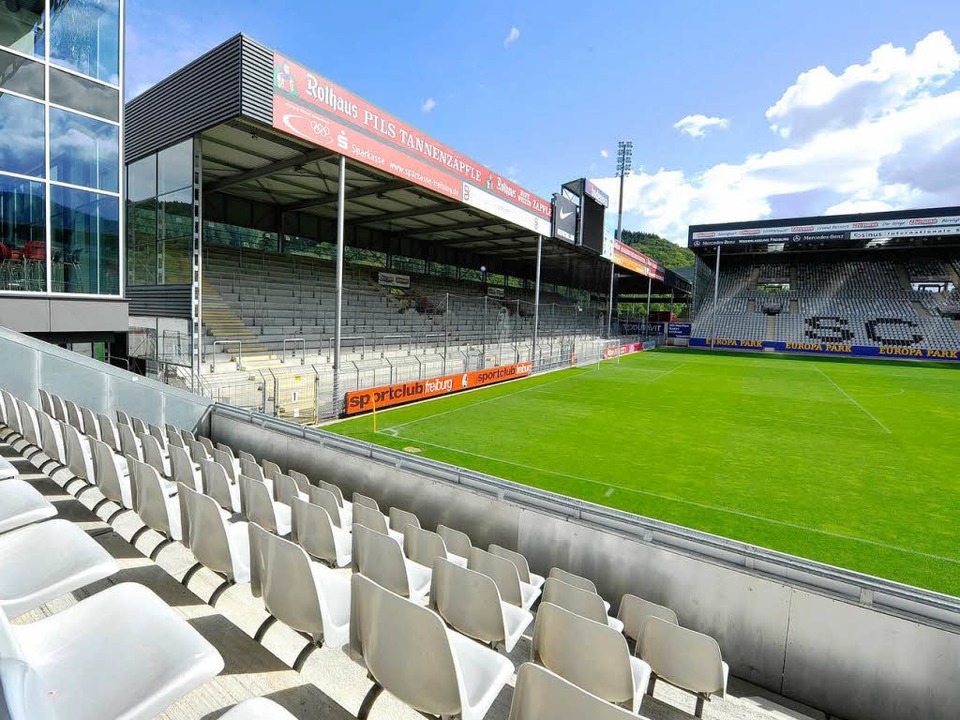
{"x":856,"y":464}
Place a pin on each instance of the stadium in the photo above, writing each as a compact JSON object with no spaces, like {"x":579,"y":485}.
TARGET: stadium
{"x":307,"y":414}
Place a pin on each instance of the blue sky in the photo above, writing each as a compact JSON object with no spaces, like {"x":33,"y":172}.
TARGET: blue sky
{"x":737,"y":110}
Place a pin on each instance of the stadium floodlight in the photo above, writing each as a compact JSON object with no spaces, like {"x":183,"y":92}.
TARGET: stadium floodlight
{"x":624,"y":165}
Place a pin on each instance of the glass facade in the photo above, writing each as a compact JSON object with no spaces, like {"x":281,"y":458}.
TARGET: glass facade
{"x":60,"y":156}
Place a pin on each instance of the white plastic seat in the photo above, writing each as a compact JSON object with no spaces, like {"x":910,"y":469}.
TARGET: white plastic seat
{"x":129,"y":442}
{"x":308,"y":597}
{"x":90,"y":425}
{"x":399,"y":519}
{"x":89,"y":662}
{"x":523,"y":569}
{"x":634,"y":611}
{"x":258,"y":709}
{"x":591,"y":655}
{"x":579,"y":601}
{"x":504,"y":574}
{"x":328,"y":501}
{"x":380,"y":558}
{"x":29,"y":427}
{"x":271,"y":470}
{"x":74,"y":418}
{"x":457,"y":542}
{"x":302,"y":481}
{"x":683,"y":658}
{"x":217,"y":485}
{"x":365,"y":500}
{"x":138,"y":425}
{"x":44,"y":561}
{"x":79,"y":453}
{"x":7,"y":470}
{"x":285,"y":489}
{"x":22,"y":504}
{"x":108,"y":432}
{"x":375,"y":520}
{"x":577,"y":581}
{"x":408,"y":651}
{"x":46,"y":404}
{"x":51,"y":439}
{"x":346,"y":505}
{"x":154,"y":504}
{"x":111,"y":474}
{"x":262,"y":509}
{"x":424,"y":547}
{"x":470,"y":603}
{"x":154,"y":454}
{"x":251,"y":468}
{"x":315,"y":532}
{"x":544,"y":695}
{"x":230,"y":464}
{"x":184,"y":469}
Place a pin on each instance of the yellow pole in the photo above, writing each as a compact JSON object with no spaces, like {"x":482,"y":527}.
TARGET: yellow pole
{"x":373,"y":396}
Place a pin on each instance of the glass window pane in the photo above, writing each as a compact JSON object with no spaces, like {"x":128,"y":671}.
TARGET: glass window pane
{"x":21,"y":136}
{"x":84,"y":151}
{"x":23,"y":244}
{"x":142,"y":179}
{"x":85,"y":244}
{"x":21,"y":26}
{"x":84,"y":95}
{"x":85,"y":36}
{"x":175,"y":167}
{"x":21,"y":75}
{"x":142,"y":243}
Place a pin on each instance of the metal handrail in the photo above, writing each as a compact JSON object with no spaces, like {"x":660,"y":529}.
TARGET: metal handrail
{"x":283,"y":352}
{"x":383,"y":342}
{"x":239,"y":343}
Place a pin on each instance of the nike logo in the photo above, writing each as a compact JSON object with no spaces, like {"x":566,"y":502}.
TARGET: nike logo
{"x":565,"y":215}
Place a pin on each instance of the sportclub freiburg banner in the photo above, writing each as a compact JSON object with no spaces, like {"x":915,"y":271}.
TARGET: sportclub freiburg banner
{"x":626,"y":257}
{"x":311,"y":107}
{"x":378,"y":398}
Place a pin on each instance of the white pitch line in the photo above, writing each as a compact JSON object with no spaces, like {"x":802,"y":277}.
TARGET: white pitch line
{"x":705,"y":506}
{"x":847,"y":396}
{"x":668,"y":372}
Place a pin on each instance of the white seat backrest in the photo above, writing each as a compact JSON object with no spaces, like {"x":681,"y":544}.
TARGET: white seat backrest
{"x":591,"y":655}
{"x":457,"y":542}
{"x":302,"y":481}
{"x":45,"y":403}
{"x":285,"y":488}
{"x":182,"y":467}
{"x":369,"y":517}
{"x":501,"y":571}
{"x":523,"y":569}
{"x":634,"y":612}
{"x":384,"y":631}
{"x":158,"y":434}
{"x":150,"y":497}
{"x":25,"y":695}
{"x":50,"y":438}
{"x":226,"y":460}
{"x":77,"y":460}
{"x":244,"y":455}
{"x":379,"y":557}
{"x":223,"y":447}
{"x":271,"y":470}
{"x":359,"y":499}
{"x":108,"y":432}
{"x":216,"y":484}
{"x":138,"y":425}
{"x":681,"y":656}
{"x":312,"y":529}
{"x":576,"y":600}
{"x":251,"y":468}
{"x":105,"y":471}
{"x":59,"y":408}
{"x":198,"y":451}
{"x":28,"y":423}
{"x":543,"y":695}
{"x":73,"y":415}
{"x":128,"y":442}
{"x":152,"y":452}
{"x":576,"y":580}
{"x":326,"y":500}
{"x":90,"y":425}
{"x":206,"y":530}
{"x":337,"y":493}
{"x":257,"y":504}
{"x":423,"y":546}
{"x":468,"y":601}
{"x":399,"y":519}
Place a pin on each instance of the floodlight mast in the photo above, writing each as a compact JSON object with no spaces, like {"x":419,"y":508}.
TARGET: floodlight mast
{"x":624,"y":164}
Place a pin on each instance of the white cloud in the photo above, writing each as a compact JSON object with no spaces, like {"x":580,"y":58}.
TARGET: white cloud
{"x":428,"y":105}
{"x":697,"y":126}
{"x":512,"y":37}
{"x":890,"y":141}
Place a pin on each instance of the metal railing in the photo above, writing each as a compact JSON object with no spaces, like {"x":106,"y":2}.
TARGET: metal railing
{"x":238,"y":343}
{"x":294,"y":341}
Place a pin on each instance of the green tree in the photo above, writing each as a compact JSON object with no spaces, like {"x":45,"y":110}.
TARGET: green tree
{"x":660,"y":249}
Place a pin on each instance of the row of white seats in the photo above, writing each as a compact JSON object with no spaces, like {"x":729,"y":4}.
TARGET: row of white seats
{"x":87,"y":661}
{"x":532,"y":681}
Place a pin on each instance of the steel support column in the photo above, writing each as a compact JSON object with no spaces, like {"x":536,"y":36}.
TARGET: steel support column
{"x":536,"y":303}
{"x":716,"y":292}
{"x":613,"y":269}
{"x":341,"y":209}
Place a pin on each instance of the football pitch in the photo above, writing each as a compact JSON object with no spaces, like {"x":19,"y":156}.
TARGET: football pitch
{"x":855,"y":464}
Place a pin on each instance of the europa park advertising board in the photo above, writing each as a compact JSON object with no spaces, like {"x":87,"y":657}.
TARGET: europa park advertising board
{"x":379,"y":398}
{"x":311,"y":107}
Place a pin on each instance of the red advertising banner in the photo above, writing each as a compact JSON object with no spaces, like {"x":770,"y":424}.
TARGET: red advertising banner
{"x":609,"y":353}
{"x":378,"y":398}
{"x":626,"y":257}
{"x":377,"y":138}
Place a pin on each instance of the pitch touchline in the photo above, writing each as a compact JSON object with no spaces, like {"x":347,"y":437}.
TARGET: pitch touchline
{"x":682,"y":501}
{"x":847,"y":396}
{"x":482,"y":402}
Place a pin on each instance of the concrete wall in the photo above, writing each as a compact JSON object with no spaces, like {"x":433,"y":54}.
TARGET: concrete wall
{"x":29,"y":364}
{"x":63,"y":315}
{"x":853,"y":646}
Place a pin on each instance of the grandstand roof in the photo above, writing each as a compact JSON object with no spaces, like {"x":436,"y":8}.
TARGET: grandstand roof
{"x":272,"y":133}
{"x":901,"y":228}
